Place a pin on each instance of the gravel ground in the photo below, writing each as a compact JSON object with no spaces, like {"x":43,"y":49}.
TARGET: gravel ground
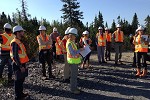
{"x":100,"y":82}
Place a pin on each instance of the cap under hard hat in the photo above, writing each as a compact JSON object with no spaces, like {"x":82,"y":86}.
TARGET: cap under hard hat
{"x":17,"y":28}
{"x":42,"y":28}
{"x":7,"y":25}
{"x":100,"y":28}
{"x":73,"y":31}
{"x":66,"y":32}
{"x":85,"y":32}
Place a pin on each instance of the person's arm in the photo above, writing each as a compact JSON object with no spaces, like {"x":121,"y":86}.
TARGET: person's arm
{"x":72,"y":51}
{"x":15,"y":49}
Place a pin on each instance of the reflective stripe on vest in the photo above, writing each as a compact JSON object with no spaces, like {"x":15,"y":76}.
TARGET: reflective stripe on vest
{"x":43,"y":47}
{"x":118,"y":36}
{"x":108,"y":37}
{"x":22,"y":52}
{"x":101,"y":40}
{"x":6,"y":41}
{"x":72,"y":59}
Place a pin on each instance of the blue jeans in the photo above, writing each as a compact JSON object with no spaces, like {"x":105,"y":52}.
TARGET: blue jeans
{"x":6,"y":60}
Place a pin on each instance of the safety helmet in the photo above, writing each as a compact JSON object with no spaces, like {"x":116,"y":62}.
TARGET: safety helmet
{"x":85,"y":32}
{"x":73,"y":31}
{"x":100,"y":28}
{"x":136,"y":30}
{"x":140,"y":28}
{"x":106,"y":28}
{"x":7,"y":25}
{"x":118,"y":25}
{"x":66,"y":32}
{"x":54,"y":29}
{"x":42,"y":28}
{"x":17,"y":28}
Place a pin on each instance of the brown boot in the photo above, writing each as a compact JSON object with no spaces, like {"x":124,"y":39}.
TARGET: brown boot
{"x":138,"y":72}
{"x":144,"y":73}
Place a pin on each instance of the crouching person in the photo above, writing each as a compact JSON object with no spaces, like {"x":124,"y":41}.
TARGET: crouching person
{"x":73,"y":59}
{"x":20,"y":58}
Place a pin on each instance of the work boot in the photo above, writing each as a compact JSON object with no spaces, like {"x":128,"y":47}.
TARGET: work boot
{"x":138,"y":72}
{"x":144,"y":73}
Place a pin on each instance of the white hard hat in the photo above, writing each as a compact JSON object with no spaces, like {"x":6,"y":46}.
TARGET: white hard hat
{"x":118,"y":25}
{"x":106,"y":28}
{"x":136,"y":30}
{"x":7,"y":25}
{"x":100,"y":28}
{"x":73,"y":31}
{"x":17,"y":28}
{"x":66,"y":32}
{"x":54,"y":29}
{"x":42,"y":28}
{"x":140,"y":28}
{"x":85,"y":32}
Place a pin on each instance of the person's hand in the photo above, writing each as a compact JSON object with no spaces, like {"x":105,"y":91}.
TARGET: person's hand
{"x":22,"y":69}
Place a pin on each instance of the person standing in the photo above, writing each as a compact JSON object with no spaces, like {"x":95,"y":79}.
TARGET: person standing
{"x":101,"y":43}
{"x":5,"y":59}
{"x":73,"y":58}
{"x":141,"y":48}
{"x":53,"y":36}
{"x":118,"y":36}
{"x":108,"y":44}
{"x":45,"y":52}
{"x":20,"y":58}
{"x":86,"y":41}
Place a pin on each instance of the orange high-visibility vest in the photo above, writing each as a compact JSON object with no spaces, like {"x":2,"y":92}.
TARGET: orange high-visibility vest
{"x":101,"y":39}
{"x":58,"y":47}
{"x":108,"y":37}
{"x":21,"y":52}
{"x":142,"y":47}
{"x":7,"y":38}
{"x":43,"y":47}
{"x":118,"y":36}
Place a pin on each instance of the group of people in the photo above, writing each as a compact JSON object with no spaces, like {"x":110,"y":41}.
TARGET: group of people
{"x":13,"y":53}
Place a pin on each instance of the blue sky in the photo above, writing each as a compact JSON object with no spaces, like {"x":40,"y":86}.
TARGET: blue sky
{"x":50,"y":9}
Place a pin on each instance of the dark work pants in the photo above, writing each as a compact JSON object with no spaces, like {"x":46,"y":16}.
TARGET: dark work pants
{"x":45,"y":56}
{"x":108,"y":49}
{"x":87,"y":58}
{"x":134,"y":59}
{"x":143,"y":56}
{"x":6,"y":60}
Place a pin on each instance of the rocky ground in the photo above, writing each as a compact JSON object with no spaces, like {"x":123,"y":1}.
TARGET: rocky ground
{"x":101,"y":82}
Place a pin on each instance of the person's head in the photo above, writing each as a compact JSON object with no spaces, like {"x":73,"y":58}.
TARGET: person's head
{"x":85,"y":34}
{"x":73,"y":33}
{"x":100,"y":29}
{"x":119,"y":27}
{"x":42,"y":30}
{"x":18,"y":31}
{"x":140,"y":30}
{"x":106,"y":30}
{"x":7,"y":28}
{"x":55,"y":30}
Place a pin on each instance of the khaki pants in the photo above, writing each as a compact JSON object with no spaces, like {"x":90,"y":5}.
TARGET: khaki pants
{"x":66,"y":68}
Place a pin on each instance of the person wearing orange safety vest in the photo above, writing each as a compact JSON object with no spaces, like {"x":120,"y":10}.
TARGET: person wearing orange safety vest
{"x":45,"y":51}
{"x":101,"y":43}
{"x":19,"y":56}
{"x":141,"y":47}
{"x":66,"y":69}
{"x":5,"y":59}
{"x":86,"y":41}
{"x":108,"y":44}
{"x":58,"y":47}
{"x":73,"y":58}
{"x":118,"y":37}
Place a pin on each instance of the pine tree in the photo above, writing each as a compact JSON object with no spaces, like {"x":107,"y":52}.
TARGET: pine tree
{"x":134,"y":23}
{"x":71,"y":12}
{"x":106,"y":25}
{"x":24,"y":10}
{"x":113,"y":26}
{"x":147,"y":24}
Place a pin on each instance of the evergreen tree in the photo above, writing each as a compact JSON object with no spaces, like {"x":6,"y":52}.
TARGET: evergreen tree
{"x":113,"y":26}
{"x":106,"y":25}
{"x":100,"y":19}
{"x":24,"y":10}
{"x":134,"y":23}
{"x":71,"y":12}
{"x":147,"y":24}
{"x":119,"y":19}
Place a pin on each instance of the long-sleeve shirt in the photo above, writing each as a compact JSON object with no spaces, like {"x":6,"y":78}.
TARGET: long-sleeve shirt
{"x":72,"y":51}
{"x":15,"y":49}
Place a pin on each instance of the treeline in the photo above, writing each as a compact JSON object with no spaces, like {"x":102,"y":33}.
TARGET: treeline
{"x":31,"y":25}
